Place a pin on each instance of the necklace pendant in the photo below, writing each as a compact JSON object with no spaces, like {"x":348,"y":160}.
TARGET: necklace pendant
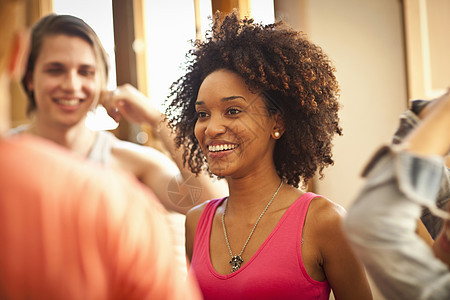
{"x":236,"y":262}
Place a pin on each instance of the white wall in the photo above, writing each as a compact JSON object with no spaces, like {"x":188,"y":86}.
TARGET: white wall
{"x":364,"y":38}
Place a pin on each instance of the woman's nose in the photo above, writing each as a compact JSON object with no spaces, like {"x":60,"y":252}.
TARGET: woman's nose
{"x":72,"y":81}
{"x":215,"y":126}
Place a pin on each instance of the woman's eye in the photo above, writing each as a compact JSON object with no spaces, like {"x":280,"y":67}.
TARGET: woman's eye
{"x":233,"y":111}
{"x":201,"y":114}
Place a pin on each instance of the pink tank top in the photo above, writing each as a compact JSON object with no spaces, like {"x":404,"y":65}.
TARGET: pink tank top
{"x":275,"y":271}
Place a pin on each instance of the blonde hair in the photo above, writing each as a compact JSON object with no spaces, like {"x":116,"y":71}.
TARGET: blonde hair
{"x":12,"y":18}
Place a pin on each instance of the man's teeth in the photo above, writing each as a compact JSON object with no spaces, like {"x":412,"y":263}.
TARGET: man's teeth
{"x":216,"y":148}
{"x":68,"y":102}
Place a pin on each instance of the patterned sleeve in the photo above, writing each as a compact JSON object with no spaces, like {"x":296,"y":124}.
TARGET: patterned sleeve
{"x":408,"y":121}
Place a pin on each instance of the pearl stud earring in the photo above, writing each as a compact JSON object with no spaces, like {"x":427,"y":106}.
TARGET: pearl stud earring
{"x":276,"y":134}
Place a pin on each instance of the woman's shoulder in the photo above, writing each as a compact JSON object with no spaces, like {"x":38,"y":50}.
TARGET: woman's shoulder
{"x":194,"y":214}
{"x":326,"y":212}
{"x":196,"y":211}
{"x":323,"y":225}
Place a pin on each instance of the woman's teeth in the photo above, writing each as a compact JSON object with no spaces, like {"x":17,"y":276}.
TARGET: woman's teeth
{"x":217,"y":148}
{"x":68,"y":102}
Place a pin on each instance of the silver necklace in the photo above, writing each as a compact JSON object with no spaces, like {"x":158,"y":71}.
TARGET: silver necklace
{"x":236,"y":260}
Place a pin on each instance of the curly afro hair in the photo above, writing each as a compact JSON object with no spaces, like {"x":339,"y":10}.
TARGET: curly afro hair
{"x":295,"y":76}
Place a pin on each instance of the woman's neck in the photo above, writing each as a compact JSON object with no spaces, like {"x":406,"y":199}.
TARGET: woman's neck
{"x":77,"y":138}
{"x":249,"y":191}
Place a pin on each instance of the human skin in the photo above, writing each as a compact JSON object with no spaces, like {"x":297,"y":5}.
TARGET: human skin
{"x":66,"y":85}
{"x":230,"y":114}
{"x":64,"y":81}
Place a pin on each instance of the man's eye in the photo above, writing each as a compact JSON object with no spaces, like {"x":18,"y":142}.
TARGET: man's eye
{"x":87,"y":73}
{"x":54,"y":70}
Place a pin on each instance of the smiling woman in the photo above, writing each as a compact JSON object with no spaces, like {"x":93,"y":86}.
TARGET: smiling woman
{"x":232,"y":126}
{"x":258,"y":106}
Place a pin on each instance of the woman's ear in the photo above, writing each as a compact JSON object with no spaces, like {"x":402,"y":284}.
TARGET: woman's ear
{"x":19,"y":54}
{"x":278,"y":127}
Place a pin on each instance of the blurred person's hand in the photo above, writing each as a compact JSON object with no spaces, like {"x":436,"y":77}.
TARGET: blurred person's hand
{"x":126,"y":101}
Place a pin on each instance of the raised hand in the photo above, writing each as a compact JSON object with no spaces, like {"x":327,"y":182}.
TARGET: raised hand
{"x":126,"y":101}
